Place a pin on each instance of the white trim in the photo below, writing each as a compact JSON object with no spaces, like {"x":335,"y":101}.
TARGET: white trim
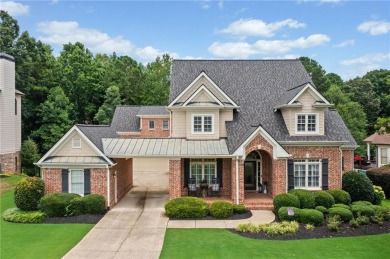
{"x":202,"y":116}
{"x":73,"y":142}
{"x":157,"y":116}
{"x":70,"y":180}
{"x":308,"y":85}
{"x":162,"y":125}
{"x":108,"y":187}
{"x":306,"y":132}
{"x":203,"y":74}
{"x":278,"y":150}
{"x":306,"y":163}
{"x":74,"y":128}
{"x":202,"y":88}
{"x":314,"y":143}
{"x":68,"y":165}
{"x":203,"y":163}
{"x":154,"y":125}
{"x":237,"y":182}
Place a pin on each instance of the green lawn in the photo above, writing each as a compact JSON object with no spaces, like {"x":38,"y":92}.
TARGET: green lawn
{"x":35,"y":240}
{"x":220,"y":243}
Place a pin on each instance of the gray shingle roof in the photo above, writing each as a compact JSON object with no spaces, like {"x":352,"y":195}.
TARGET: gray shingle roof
{"x":125,"y":119}
{"x":257,"y":86}
{"x":95,"y":133}
{"x":289,"y":95}
{"x":153,"y":110}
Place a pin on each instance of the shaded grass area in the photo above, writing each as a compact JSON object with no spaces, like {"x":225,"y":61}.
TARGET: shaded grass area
{"x":35,"y":240}
{"x":386,"y":203}
{"x":220,"y":243}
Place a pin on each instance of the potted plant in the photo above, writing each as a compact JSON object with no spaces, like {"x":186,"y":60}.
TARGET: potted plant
{"x":265,"y":190}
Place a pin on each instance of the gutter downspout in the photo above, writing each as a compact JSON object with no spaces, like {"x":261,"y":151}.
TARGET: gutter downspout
{"x":237,"y":183}
{"x":108,"y":187}
{"x":170,"y":123}
{"x":341,"y":167}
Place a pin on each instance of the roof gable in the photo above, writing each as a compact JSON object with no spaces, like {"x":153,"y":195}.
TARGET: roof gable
{"x":313,"y":91}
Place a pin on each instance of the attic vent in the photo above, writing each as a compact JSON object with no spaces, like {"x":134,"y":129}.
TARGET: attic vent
{"x":76,"y":143}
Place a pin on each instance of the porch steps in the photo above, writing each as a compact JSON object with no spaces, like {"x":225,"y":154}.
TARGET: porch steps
{"x":259,"y":206}
{"x":258,"y":201}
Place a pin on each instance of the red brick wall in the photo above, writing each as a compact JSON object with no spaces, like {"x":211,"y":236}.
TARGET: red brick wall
{"x":99,"y":181}
{"x":158,"y":132}
{"x":52,"y":179}
{"x":124,"y":174}
{"x":348,"y":160}
{"x":175,"y":178}
{"x":226,"y":189}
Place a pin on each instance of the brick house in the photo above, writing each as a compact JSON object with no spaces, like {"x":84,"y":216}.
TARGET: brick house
{"x":248,"y":124}
{"x":10,"y":117}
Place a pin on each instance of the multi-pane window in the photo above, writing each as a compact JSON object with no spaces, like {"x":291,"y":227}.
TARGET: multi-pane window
{"x":151,"y":125}
{"x":165,"y":124}
{"x":202,"y":124}
{"x":384,"y":158}
{"x":307,"y":173}
{"x":307,"y":123}
{"x":203,"y":169}
{"x":77,"y":182}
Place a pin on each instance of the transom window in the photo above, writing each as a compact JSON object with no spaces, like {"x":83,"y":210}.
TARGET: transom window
{"x":165,"y":124}
{"x":202,"y":124}
{"x":76,"y":143}
{"x":151,"y":125}
{"x":307,"y":173}
{"x":203,"y":169}
{"x":307,"y":123}
{"x":76,"y":182}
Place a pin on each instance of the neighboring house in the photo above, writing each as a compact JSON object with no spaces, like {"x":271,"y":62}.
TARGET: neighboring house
{"x":10,"y":117}
{"x":249,"y":123}
{"x":382,"y":143}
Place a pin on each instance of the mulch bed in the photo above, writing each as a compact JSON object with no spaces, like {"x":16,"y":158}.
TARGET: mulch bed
{"x":82,"y":219}
{"x":323,"y":232}
{"x":245,"y":215}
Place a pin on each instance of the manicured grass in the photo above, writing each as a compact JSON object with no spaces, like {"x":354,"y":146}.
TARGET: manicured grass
{"x":35,"y":240}
{"x":386,"y":203}
{"x":220,"y":243}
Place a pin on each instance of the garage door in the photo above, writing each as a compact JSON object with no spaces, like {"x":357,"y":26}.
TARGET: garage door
{"x":151,"y":165}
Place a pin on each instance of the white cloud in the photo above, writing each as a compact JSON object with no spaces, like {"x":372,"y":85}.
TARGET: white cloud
{"x":149,"y":53}
{"x":374,"y":27}
{"x":205,"y":4}
{"x":220,"y":4}
{"x":254,"y":27}
{"x":15,"y":9}
{"x":368,"y":59}
{"x":54,"y":1}
{"x":360,"y":71}
{"x":265,"y":47}
{"x":345,"y":44}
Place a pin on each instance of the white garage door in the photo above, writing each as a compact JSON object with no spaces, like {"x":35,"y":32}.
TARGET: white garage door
{"x":151,"y":165}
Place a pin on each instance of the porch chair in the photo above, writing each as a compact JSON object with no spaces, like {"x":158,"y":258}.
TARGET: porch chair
{"x":191,"y":187}
{"x":215,"y":190}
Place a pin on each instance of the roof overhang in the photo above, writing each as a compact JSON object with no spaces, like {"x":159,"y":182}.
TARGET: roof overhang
{"x":278,"y":151}
{"x":154,"y":116}
{"x":311,"y":87}
{"x":312,"y":143}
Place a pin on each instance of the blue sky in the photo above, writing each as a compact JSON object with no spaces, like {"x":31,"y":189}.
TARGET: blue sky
{"x":346,"y":37}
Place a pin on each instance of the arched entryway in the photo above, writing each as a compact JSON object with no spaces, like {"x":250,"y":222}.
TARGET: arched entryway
{"x":253,"y":172}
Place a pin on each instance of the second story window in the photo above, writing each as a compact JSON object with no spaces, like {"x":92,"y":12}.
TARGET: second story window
{"x":202,"y":124}
{"x":165,"y":124}
{"x":307,"y":123}
{"x":151,"y":125}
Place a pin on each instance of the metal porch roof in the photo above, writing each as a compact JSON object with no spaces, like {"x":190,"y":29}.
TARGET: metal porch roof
{"x":75,"y":160}
{"x":169,"y":147}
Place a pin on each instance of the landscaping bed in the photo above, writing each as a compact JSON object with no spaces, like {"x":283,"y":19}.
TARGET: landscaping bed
{"x":82,"y":219}
{"x":246,"y":215}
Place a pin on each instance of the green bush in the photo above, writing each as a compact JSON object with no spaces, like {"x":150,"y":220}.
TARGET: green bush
{"x":239,"y":209}
{"x":186,"y":207}
{"x":358,"y":186}
{"x":76,"y":207}
{"x":323,"y":198}
{"x":379,"y":195}
{"x":381,"y":177}
{"x":377,"y":218}
{"x":286,"y":200}
{"x":55,"y":204}
{"x":363,"y":220}
{"x":322,"y":209}
{"x":221,"y":209}
{"x":283,"y":214}
{"x":354,"y":223}
{"x":334,"y":223}
{"x":340,"y":196}
{"x":363,"y":210}
{"x":19,"y":216}
{"x":306,"y":198}
{"x":28,"y":192}
{"x":382,"y":210}
{"x":94,"y":204}
{"x":311,"y":216}
{"x":344,"y":214}
{"x":276,"y":228}
{"x":340,"y":205}
{"x":364,"y":203}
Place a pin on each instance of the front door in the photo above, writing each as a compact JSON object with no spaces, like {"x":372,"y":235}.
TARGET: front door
{"x":250,"y":175}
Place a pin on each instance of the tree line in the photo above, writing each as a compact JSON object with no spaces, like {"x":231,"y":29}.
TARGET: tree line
{"x":81,"y":87}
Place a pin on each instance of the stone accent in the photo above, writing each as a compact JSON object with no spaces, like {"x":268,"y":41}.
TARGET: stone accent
{"x":176,"y":181}
{"x":7,"y":162}
{"x":158,"y":131}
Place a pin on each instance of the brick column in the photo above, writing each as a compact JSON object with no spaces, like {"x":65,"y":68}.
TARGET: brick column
{"x":279,"y":184}
{"x":175,"y":178}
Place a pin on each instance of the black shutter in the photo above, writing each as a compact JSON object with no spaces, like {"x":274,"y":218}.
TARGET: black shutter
{"x":186,"y":171}
{"x":87,"y":181}
{"x":290,"y":174}
{"x":65,"y":180}
{"x":325,"y":174}
{"x":219,"y":170}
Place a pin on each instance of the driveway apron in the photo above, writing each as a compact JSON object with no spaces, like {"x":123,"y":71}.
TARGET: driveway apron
{"x":134,"y":228}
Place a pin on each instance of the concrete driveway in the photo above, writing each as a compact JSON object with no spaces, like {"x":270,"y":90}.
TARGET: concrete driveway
{"x":135,"y":227}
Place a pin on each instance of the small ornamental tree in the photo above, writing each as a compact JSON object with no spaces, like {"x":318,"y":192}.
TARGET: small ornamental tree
{"x":29,"y":155}
{"x":358,"y":186}
{"x":28,"y":192}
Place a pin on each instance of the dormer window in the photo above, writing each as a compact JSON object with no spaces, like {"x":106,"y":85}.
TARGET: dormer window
{"x":76,"y":143}
{"x":307,"y":124}
{"x":202,"y":124}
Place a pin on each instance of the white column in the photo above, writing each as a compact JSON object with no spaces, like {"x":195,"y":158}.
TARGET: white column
{"x":368,"y":152}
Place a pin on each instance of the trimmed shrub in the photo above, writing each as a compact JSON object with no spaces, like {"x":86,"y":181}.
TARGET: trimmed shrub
{"x":306,"y":198}
{"x":94,"y":204}
{"x":19,"y":216}
{"x":221,"y":209}
{"x":382,"y":210}
{"x":286,"y":200}
{"x":283,"y":214}
{"x":340,"y":205}
{"x":340,"y":196}
{"x":322,"y":209}
{"x":377,"y":218}
{"x":358,"y":186}
{"x":186,"y":207}
{"x":364,"y":203}
{"x":239,"y":209}
{"x":311,"y":216}
{"x":76,"y":207}
{"x":363,"y":210}
{"x":55,"y":204}
{"x":379,"y":195}
{"x":354,"y":223}
{"x":323,"y":198}
{"x":334,"y":223}
{"x":381,"y":177}
{"x":344,"y":214}
{"x":28,"y":192}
